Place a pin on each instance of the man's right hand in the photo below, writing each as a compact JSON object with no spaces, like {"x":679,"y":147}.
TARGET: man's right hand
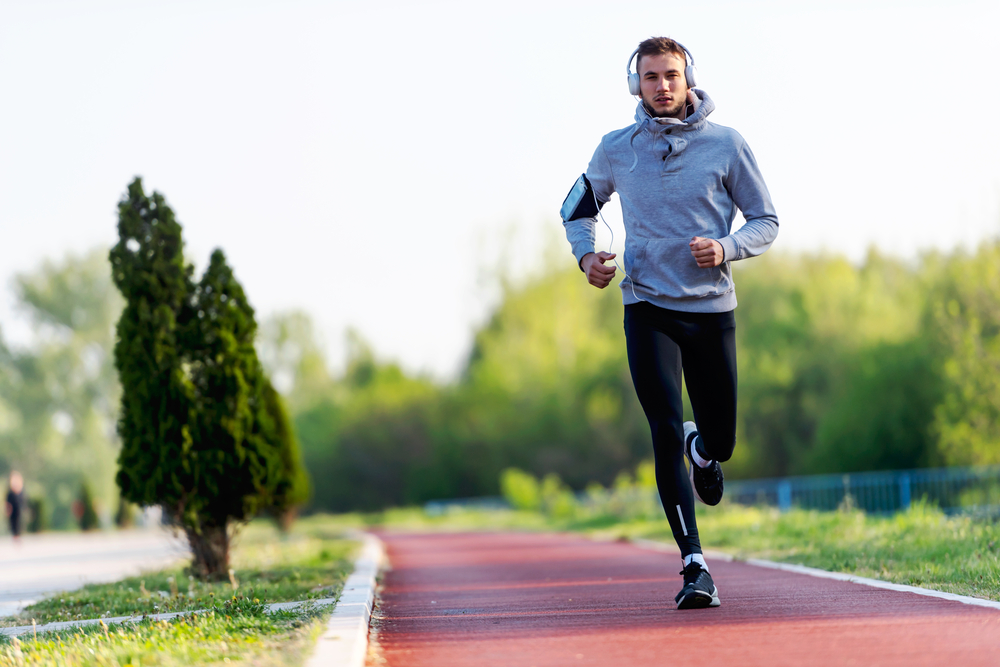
{"x":598,"y":275}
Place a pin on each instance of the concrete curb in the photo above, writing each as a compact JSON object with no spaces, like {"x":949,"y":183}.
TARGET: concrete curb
{"x":345,"y":642}
{"x":824,"y":574}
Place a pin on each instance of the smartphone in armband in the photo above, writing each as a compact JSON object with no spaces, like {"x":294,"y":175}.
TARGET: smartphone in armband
{"x":581,"y":202}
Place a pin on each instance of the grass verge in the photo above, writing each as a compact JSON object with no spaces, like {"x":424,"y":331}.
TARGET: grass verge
{"x":238,"y":633}
{"x":919,"y":547}
{"x":310,"y":563}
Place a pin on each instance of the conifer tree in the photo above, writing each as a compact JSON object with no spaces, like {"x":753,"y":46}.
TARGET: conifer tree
{"x":196,"y":435}
{"x":147,"y":266}
{"x":237,"y":459}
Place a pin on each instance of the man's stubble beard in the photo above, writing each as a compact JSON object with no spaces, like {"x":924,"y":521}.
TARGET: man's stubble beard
{"x":672,"y":112}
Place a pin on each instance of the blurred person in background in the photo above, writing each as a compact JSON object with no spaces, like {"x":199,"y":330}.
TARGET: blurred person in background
{"x":15,"y":504}
{"x":680,"y":180}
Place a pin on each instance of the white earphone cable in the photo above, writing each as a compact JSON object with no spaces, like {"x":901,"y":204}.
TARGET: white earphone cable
{"x":611,"y":245}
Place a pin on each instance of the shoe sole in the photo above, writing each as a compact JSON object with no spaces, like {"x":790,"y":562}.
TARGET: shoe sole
{"x":691,"y":477}
{"x":694,"y":488}
{"x":687,"y":454}
{"x":700,"y":600}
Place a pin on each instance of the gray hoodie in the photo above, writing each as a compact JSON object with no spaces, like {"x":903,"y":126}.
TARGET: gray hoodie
{"x":677,"y":180}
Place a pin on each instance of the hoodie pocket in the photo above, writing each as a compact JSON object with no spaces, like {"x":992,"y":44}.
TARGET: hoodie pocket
{"x":665,"y":267}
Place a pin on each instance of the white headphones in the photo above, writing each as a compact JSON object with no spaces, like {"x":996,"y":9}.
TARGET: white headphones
{"x":690,"y":71}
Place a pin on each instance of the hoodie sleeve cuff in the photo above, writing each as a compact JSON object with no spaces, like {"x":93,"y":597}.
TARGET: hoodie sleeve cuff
{"x":730,"y":250}
{"x":580,"y":249}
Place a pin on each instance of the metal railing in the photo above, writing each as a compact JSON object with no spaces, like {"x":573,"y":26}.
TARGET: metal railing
{"x":954,"y":490}
{"x":974,"y":491}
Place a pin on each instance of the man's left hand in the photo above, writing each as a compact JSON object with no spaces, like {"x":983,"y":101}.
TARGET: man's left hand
{"x":707,"y":252}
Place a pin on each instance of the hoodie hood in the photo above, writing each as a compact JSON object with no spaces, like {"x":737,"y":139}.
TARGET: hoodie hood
{"x":697,"y":98}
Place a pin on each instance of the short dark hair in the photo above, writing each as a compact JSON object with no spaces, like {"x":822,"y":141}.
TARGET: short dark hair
{"x":659,"y":46}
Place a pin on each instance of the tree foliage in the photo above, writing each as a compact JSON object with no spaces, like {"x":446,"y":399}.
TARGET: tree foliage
{"x":842,"y":367}
{"x":965,"y":316}
{"x":156,"y":419}
{"x":293,"y":486}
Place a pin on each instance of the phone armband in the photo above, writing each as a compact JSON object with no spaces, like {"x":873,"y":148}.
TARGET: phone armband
{"x":581,"y":202}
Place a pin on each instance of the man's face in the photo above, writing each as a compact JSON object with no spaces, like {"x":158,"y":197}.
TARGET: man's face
{"x":662,"y":84}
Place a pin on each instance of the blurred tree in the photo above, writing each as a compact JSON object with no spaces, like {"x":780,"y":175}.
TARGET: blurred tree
{"x":842,"y":367}
{"x":58,"y":396}
{"x":382,"y":452}
{"x":86,"y":512}
{"x":294,"y":359}
{"x":125,"y":516}
{"x":547,"y":384}
{"x":965,"y":316}
{"x":39,"y":515}
{"x":801,"y":323}
{"x":318,"y":429}
{"x":883,"y":420}
{"x":547,"y":389}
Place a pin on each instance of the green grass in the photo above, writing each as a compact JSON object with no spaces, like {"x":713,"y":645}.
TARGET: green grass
{"x":310,"y":563}
{"x":920,"y":547}
{"x":229,"y":635}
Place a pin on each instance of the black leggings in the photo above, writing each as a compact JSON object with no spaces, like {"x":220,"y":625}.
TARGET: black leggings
{"x":660,"y":343}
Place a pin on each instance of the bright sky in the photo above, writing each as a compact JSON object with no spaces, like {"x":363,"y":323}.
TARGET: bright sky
{"x":365,"y":161}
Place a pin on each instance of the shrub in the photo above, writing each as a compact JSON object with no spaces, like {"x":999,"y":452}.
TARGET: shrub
{"x":520,"y":489}
{"x":557,"y":499}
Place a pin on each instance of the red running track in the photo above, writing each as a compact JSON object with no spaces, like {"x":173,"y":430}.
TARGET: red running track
{"x":517,"y":599}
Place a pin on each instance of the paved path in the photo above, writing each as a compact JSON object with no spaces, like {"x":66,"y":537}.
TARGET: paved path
{"x":47,"y":563}
{"x":527,"y":599}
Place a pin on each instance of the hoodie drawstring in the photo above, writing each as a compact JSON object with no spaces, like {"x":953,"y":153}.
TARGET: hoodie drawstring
{"x":636,"y":133}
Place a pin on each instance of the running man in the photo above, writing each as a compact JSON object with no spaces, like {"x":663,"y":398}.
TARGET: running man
{"x":680,"y":180}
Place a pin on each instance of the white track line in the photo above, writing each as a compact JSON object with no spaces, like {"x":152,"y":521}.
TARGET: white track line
{"x":824,"y":574}
{"x":345,"y":642}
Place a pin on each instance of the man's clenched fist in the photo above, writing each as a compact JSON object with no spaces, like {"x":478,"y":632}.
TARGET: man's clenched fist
{"x":598,"y":275}
{"x":707,"y":252}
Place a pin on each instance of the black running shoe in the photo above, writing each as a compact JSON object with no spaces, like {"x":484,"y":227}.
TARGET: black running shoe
{"x":707,"y":482}
{"x":699,"y":590}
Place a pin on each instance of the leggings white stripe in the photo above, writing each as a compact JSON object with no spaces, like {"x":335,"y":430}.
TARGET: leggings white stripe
{"x":681,"y":516}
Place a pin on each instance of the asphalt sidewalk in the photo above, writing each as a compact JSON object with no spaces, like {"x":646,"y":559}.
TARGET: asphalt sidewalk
{"x":43,"y":564}
{"x":542,"y":599}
